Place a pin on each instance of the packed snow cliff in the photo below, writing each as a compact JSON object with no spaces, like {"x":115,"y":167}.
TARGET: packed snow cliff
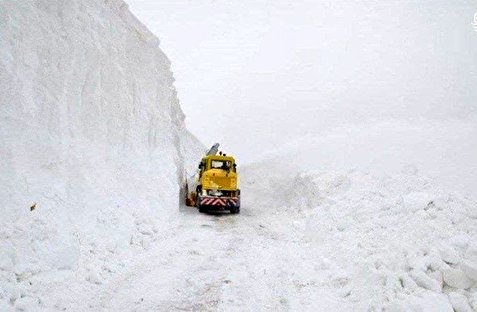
{"x":92,"y":144}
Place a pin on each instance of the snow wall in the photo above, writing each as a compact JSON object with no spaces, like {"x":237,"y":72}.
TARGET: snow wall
{"x":93,"y":144}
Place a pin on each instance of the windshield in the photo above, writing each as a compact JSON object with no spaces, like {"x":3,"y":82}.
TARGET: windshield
{"x":221,"y":164}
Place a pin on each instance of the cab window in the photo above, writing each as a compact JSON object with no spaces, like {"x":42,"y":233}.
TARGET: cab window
{"x":221,"y":164}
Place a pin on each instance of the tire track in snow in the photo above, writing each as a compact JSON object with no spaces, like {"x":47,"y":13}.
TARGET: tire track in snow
{"x":225,"y":262}
{"x":195,"y":238}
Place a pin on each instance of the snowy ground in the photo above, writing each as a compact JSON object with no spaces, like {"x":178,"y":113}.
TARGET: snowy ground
{"x":324,"y":241}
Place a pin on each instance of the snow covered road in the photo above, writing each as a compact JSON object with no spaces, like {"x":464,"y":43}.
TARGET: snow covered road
{"x":220,"y":262}
{"x":354,"y":242}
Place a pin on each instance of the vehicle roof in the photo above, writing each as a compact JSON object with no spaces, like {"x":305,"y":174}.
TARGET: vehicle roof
{"x":219,"y":157}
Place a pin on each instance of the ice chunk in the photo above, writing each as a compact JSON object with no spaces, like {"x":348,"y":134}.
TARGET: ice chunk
{"x":473,"y":301}
{"x":456,"y":278}
{"x":429,"y":302}
{"x":459,"y":302}
{"x":425,"y":281}
{"x":470,"y":270}
{"x":460,"y":241}
{"x":471,"y":253}
{"x":450,"y":255}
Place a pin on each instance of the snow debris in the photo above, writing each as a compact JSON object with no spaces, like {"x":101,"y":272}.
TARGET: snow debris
{"x":398,"y":243}
{"x":450,"y":255}
{"x":4,"y":306}
{"x":459,"y":302}
{"x":471,"y":253}
{"x":473,"y":301}
{"x":429,"y":302}
{"x":424,"y":281}
{"x":470,"y":270}
{"x":456,"y":278}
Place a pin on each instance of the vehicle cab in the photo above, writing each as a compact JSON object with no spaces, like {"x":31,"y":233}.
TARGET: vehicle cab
{"x":218,"y":176}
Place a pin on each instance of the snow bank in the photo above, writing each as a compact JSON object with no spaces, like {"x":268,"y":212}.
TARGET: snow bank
{"x":92,"y":143}
{"x":438,"y":149}
{"x":395,"y":242}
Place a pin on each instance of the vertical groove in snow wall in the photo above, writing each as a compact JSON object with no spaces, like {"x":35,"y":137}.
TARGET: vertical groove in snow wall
{"x":89,"y":114}
{"x":91,"y":131}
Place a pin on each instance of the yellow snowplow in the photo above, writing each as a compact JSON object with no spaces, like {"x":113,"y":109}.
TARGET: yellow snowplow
{"x":215,"y":187}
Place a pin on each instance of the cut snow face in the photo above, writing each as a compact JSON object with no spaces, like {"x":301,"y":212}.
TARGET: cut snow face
{"x":93,"y":146}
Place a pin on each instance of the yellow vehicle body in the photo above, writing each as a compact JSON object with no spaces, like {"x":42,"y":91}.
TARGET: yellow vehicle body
{"x":217,"y":185}
{"x":213,"y":176}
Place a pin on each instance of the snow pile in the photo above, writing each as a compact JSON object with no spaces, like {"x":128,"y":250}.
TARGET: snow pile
{"x":92,"y":143}
{"x":397,"y":242}
{"x":438,"y":149}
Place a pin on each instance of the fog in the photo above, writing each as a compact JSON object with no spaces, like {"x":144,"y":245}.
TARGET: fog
{"x":261,"y":75}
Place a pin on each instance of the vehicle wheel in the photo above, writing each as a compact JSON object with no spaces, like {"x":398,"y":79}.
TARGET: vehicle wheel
{"x":235,"y":210}
{"x":198,"y":192}
{"x":202,"y":209}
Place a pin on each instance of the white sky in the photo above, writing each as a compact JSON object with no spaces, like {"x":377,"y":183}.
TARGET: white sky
{"x":273,"y":70}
